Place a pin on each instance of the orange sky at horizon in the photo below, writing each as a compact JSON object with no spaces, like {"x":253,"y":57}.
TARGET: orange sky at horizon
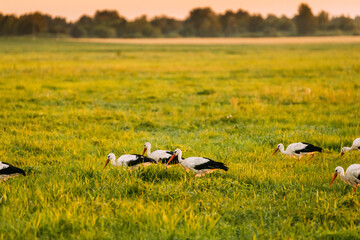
{"x":73,"y":9}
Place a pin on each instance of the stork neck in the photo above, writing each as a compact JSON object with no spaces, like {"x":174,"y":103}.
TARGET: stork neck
{"x":113,"y":161}
{"x":281,"y":148}
{"x":179,"y":157}
{"x":148,"y":151}
{"x":343,"y":176}
{"x":346,"y":149}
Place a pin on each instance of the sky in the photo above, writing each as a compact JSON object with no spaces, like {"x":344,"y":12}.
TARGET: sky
{"x":73,"y":9}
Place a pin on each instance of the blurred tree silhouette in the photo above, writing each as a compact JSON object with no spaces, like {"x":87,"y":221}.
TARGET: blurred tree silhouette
{"x":9,"y":25}
{"x":140,"y":27}
{"x":168,"y":26}
{"x":229,"y":24}
{"x":343,"y":23}
{"x":204,"y":22}
{"x":242,"y":18}
{"x":256,"y":23}
{"x":323,"y":21}
{"x":77,"y":31}
{"x":201,"y":22}
{"x":305,"y":21}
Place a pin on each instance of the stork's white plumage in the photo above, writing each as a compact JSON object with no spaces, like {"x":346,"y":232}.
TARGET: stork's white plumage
{"x":355,"y":146}
{"x":162,"y":156}
{"x":129,"y":160}
{"x":351,"y":177}
{"x":199,"y":165}
{"x":297,"y":150}
{"x":8,"y":171}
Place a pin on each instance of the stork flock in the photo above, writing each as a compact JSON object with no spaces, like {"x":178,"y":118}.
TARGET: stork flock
{"x":201,"y":165}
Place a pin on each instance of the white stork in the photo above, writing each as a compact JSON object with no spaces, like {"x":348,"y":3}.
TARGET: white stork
{"x":8,"y":171}
{"x":355,"y":146}
{"x":199,"y":165}
{"x":351,"y":177}
{"x":297,"y":150}
{"x":162,"y":156}
{"x":129,"y":160}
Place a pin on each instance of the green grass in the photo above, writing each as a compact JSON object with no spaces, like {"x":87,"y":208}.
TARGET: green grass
{"x":64,"y":106}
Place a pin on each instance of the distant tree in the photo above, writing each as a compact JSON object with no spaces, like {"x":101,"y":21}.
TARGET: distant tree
{"x":83,"y":25}
{"x":106,"y":16}
{"x":140,"y":27}
{"x":103,"y":31}
{"x":285,"y":24}
{"x":204,"y":22}
{"x":78,"y":31}
{"x":323,"y":21}
{"x":187,"y":30}
{"x":357,"y":20}
{"x":85,"y":20}
{"x":242,"y":19}
{"x":343,"y":23}
{"x":25,"y":25}
{"x":256,"y":23}
{"x":107,"y":22}
{"x":229,"y":24}
{"x":58,"y":25}
{"x":270,"y":25}
{"x":305,"y":20}
{"x":120,"y":27}
{"x":168,"y":26}
{"x":8,"y":25}
{"x":33,"y":23}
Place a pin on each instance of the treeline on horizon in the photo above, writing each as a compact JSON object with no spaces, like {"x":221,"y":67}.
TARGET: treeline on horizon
{"x":201,"y":22}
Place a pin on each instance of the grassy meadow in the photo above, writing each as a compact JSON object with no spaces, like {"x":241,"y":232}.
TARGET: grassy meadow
{"x":64,"y":106}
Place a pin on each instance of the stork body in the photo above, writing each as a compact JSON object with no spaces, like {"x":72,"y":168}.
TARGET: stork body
{"x":351,"y":176}
{"x":297,"y":150}
{"x":161,"y":156}
{"x":129,"y":160}
{"x":355,"y":146}
{"x":199,"y":165}
{"x":8,"y":171}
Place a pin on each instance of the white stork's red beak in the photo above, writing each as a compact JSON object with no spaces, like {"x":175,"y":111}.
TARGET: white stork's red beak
{"x":107,"y":161}
{"x":342,"y":153}
{"x":277,"y":149}
{"x":333,"y":179}
{"x":144,"y":151}
{"x":172,"y":157}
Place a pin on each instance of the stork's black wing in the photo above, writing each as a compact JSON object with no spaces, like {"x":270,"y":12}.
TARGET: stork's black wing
{"x":11,"y":170}
{"x":211,"y":164}
{"x":140,"y":159}
{"x":309,"y":148}
{"x":358,"y":177}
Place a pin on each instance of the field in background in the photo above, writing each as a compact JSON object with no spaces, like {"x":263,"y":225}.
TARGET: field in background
{"x":224,"y":41}
{"x":64,"y":106}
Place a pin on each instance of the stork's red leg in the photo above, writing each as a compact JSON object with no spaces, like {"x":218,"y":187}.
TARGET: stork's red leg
{"x":354,"y":189}
{"x":312,"y":155}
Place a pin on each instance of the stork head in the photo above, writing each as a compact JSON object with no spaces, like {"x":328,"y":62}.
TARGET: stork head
{"x":338,"y":170}
{"x":147,"y":145}
{"x":110,"y":157}
{"x":344,"y":149}
{"x":277,"y":148}
{"x":177,"y":152}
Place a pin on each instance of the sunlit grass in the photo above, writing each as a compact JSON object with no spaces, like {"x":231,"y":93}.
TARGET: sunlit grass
{"x":65,"y":106}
